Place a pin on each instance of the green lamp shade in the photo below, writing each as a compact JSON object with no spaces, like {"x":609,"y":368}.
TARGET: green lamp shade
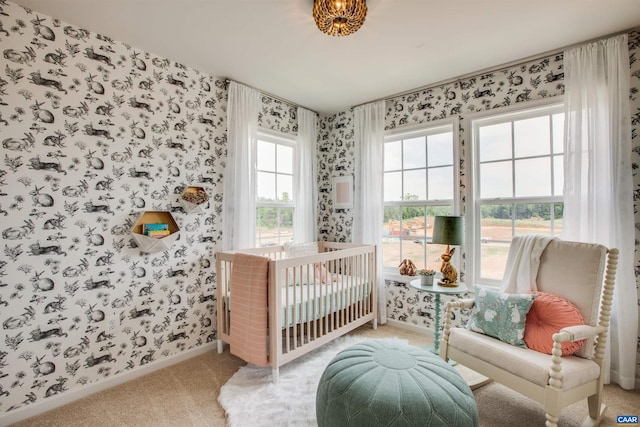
{"x":448,"y":230}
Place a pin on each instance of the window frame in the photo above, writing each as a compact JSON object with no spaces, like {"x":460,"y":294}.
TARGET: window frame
{"x":419,"y":130}
{"x":277,"y":138}
{"x":506,"y":115}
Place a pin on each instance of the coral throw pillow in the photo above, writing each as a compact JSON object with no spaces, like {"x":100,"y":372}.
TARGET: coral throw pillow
{"x":550,"y":313}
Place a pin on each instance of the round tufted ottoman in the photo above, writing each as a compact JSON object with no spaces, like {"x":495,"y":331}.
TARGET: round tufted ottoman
{"x":378,"y":383}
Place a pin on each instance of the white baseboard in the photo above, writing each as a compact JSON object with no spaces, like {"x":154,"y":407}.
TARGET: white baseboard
{"x":409,"y":327}
{"x":48,"y":404}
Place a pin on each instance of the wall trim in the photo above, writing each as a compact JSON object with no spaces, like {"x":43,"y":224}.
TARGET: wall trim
{"x":392,"y":275}
{"x":51,"y":403}
{"x":508,"y":110}
{"x":423,"y":128}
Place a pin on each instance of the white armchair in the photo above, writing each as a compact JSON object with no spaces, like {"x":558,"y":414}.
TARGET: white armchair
{"x":573,"y":271}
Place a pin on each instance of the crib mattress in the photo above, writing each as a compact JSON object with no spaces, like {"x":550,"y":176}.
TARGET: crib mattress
{"x":303,"y":303}
{"x":306,"y":302}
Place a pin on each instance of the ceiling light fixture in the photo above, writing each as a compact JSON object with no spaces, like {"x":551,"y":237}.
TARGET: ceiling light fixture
{"x":339,"y":17}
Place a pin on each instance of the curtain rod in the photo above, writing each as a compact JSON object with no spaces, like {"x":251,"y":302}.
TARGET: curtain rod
{"x":497,"y":67}
{"x":270,"y":95}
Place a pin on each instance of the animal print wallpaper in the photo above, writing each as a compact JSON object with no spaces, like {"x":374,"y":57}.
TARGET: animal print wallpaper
{"x":522,"y":83}
{"x":94,"y":132}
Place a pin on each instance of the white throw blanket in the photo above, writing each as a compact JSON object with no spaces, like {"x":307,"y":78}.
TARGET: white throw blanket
{"x":523,"y":262}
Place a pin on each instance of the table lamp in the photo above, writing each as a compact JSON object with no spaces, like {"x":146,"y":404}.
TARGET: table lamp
{"x":448,"y":230}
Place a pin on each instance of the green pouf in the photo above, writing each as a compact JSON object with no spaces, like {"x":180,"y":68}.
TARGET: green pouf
{"x":378,"y":383}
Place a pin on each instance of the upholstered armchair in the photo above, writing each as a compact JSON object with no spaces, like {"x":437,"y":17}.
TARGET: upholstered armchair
{"x":569,"y":277}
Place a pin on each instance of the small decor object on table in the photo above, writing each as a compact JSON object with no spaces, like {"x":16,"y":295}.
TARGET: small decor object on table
{"x":448,"y":230}
{"x":426,"y":277}
{"x":449,"y":272}
{"x":407,"y":268}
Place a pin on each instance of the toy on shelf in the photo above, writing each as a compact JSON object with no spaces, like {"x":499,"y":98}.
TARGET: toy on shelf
{"x":193,"y":199}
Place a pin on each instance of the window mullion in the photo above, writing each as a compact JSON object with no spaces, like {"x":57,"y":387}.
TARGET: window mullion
{"x":426,"y":171}
{"x":513,"y":177}
{"x":531,"y":214}
{"x":409,"y":217}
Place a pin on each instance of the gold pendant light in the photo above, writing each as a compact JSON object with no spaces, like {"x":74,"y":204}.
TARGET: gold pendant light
{"x":339,"y":17}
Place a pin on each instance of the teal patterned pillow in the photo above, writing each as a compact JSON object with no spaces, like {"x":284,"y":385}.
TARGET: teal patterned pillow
{"x":500,"y":315}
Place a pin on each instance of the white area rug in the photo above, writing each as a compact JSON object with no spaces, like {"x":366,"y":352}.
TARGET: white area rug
{"x":250,"y":398}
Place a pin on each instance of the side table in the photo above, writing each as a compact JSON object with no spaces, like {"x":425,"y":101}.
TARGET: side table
{"x":437,"y":291}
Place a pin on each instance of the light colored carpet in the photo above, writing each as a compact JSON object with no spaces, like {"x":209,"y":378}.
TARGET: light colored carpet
{"x":250,"y":398}
{"x":186,"y":394}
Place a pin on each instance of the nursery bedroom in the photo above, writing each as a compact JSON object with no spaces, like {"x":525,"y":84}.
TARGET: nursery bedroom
{"x":319,"y":213}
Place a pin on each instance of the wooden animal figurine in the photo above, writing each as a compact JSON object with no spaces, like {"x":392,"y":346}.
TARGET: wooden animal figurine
{"x":411,"y":270}
{"x":449,"y":272}
{"x":407,"y":268}
{"x":403,"y":267}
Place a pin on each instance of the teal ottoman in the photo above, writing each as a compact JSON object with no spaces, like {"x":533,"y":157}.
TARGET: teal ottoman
{"x":382,"y":383}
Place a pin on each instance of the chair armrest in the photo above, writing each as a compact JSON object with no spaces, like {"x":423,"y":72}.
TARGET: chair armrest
{"x":577,"y":333}
{"x":465,"y":303}
{"x":570,"y":334}
{"x":460,"y":303}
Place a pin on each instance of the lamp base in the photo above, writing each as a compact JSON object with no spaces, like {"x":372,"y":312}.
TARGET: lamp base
{"x":447,"y":284}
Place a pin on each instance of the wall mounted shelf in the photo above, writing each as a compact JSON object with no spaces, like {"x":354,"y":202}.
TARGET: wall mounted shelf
{"x":155,"y":244}
{"x":193,"y":199}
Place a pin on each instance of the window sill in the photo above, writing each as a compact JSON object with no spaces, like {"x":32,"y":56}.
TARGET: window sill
{"x":394,"y":276}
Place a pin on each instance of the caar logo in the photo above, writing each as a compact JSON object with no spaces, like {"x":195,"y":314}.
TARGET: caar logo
{"x":627,"y":420}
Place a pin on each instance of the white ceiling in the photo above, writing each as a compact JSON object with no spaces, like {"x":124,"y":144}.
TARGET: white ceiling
{"x":274,"y":45}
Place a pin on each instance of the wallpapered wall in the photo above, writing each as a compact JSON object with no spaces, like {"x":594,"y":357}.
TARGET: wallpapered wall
{"x":93,"y":132}
{"x":523,"y":83}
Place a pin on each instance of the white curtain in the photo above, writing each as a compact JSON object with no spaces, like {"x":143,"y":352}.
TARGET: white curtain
{"x":239,"y":203}
{"x":305,"y":175}
{"x":369,"y":197}
{"x":598,"y":181}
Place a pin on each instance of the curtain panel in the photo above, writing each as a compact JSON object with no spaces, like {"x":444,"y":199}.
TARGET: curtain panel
{"x":239,"y":205}
{"x":598,"y":189}
{"x":305,"y":194}
{"x":369,"y":197}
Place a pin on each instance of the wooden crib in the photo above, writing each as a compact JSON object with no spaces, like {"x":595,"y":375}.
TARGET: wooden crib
{"x":313,"y":299}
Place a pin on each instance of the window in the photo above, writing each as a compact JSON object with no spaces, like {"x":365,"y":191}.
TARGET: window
{"x":420,"y":181}
{"x":518,"y":180}
{"x":274,"y":189}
